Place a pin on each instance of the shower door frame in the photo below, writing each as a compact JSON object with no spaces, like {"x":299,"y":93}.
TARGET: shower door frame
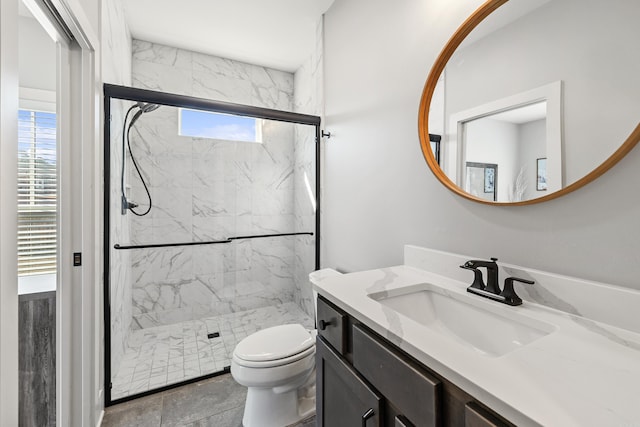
{"x":180,"y":101}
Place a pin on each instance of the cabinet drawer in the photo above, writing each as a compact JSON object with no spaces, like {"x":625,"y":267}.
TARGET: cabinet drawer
{"x":332,"y":324}
{"x":477,"y":416}
{"x":414,"y":392}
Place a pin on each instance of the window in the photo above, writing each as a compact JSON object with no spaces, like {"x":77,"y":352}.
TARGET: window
{"x":206,"y":124}
{"x":37,"y":193}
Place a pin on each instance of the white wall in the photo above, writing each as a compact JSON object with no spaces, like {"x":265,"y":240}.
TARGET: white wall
{"x":494,"y":141}
{"x":380,"y":194}
{"x":532,"y":137}
{"x":92,"y":11}
{"x":37,"y":53}
{"x":116,"y":40}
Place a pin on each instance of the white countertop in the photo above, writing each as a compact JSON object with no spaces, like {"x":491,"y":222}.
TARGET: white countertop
{"x":584,"y":373}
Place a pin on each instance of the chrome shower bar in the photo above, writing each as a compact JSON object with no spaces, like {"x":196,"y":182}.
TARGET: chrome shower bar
{"x":209,"y":242}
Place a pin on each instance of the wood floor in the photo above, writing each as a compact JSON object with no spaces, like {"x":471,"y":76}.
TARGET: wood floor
{"x":37,"y":360}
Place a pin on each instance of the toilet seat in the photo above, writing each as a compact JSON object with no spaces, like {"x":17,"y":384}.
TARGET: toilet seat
{"x":274,"y":363}
{"x":276,"y":346}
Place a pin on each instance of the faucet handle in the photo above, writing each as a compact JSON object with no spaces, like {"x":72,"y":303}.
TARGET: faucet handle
{"x":478,"y":283}
{"x":509,"y":293}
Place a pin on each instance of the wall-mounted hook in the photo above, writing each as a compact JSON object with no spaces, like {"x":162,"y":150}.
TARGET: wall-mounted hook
{"x":326,"y":134}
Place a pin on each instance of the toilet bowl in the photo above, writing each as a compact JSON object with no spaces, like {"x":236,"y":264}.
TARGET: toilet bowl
{"x":277,"y":365}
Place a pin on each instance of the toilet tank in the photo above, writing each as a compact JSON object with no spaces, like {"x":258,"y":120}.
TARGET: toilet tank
{"x":317,"y":277}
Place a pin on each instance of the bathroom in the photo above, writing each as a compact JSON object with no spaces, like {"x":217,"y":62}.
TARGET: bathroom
{"x":377,"y":193}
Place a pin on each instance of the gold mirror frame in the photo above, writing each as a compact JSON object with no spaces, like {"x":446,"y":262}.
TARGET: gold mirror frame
{"x":423,"y":119}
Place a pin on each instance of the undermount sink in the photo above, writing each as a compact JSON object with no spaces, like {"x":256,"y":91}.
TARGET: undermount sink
{"x":470,"y":322}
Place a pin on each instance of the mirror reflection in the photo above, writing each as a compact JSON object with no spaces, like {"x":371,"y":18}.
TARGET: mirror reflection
{"x":542,"y":89}
{"x":514,"y":140}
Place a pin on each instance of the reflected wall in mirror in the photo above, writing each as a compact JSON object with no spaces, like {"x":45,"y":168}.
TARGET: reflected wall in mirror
{"x":523,"y":80}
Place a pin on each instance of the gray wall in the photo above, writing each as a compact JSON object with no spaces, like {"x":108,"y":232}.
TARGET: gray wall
{"x":554,"y":43}
{"x":380,"y":194}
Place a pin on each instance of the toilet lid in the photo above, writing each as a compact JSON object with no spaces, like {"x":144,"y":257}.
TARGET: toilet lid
{"x":274,"y":343}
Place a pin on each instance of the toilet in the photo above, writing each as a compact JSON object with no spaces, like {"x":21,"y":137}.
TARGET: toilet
{"x":277,"y":365}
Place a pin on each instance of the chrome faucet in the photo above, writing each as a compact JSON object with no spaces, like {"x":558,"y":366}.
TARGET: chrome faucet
{"x":492,"y":290}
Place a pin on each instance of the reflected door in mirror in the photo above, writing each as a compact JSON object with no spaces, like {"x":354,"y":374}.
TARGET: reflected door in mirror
{"x":482,"y":180}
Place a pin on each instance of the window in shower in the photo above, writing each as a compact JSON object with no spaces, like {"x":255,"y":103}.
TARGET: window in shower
{"x":227,"y":127}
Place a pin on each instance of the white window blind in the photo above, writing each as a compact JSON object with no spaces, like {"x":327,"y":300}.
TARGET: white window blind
{"x":37,"y":193}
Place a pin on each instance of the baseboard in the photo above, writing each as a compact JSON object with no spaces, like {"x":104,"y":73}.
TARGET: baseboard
{"x":100,"y":418}
{"x":99,"y":402}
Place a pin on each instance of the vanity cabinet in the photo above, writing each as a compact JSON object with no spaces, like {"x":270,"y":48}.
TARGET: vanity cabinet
{"x":364,"y":380}
{"x":347,"y":399}
{"x":412,"y":393}
{"x":332,"y":325}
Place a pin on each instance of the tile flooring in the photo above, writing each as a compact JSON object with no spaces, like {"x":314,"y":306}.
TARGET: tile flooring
{"x":170,"y":354}
{"x":216,"y":402}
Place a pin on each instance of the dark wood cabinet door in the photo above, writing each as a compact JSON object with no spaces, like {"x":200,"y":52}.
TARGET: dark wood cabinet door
{"x":332,"y":325}
{"x":343,"y":398}
{"x":415,"y":393}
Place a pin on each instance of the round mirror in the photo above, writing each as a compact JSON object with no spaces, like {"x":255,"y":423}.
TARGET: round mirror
{"x":532,"y":99}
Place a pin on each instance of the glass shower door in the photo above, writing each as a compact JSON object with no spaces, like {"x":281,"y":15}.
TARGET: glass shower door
{"x":212,"y":234}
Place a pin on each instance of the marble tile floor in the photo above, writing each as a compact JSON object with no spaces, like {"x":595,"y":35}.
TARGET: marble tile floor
{"x":215,"y":402}
{"x":170,"y":354}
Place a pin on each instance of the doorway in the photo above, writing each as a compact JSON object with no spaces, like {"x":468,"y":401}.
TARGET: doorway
{"x":37,"y":204}
{"x":46,"y":215}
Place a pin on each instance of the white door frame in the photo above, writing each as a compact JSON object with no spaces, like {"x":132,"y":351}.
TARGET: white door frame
{"x":8,"y":212}
{"x":77,"y":396}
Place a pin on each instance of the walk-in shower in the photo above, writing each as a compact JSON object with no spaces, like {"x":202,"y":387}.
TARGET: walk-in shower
{"x":211,"y":229}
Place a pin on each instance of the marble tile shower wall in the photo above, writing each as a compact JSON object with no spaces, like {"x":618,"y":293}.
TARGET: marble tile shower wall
{"x":308,"y":99}
{"x":207,"y":189}
{"x":116,"y":69}
{"x":169,"y":69}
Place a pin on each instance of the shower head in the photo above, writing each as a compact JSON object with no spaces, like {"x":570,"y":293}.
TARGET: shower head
{"x":143,"y":108}
{"x":147,"y":107}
